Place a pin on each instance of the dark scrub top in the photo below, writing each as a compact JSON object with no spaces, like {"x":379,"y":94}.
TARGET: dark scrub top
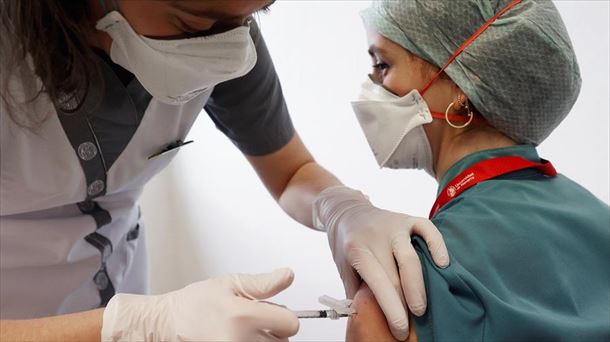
{"x":530,"y":260}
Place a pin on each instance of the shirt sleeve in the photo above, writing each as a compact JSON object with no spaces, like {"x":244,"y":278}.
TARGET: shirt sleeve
{"x":251,"y":110}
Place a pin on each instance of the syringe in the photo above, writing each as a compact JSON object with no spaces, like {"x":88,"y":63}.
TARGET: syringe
{"x":338,"y":308}
{"x":332,"y":314}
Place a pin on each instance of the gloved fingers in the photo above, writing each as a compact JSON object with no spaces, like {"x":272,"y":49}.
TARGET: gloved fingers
{"x":389,"y":265}
{"x":351,"y":280}
{"x":388,"y":298}
{"x":257,"y":336}
{"x":263,"y":285}
{"x":269,"y":336}
{"x":275,"y":319}
{"x":434,"y":239}
{"x":411,"y":275}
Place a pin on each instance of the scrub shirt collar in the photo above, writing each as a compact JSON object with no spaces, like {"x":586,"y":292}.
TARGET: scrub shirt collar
{"x":526,"y":151}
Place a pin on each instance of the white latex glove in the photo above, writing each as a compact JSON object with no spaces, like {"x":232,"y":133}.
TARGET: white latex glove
{"x":368,"y":243}
{"x":218,"y":309}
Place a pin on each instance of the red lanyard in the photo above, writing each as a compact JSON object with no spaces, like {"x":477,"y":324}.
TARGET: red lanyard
{"x":485,"y":170}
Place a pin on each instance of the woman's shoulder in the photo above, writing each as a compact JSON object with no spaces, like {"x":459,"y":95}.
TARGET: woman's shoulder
{"x":508,"y":239}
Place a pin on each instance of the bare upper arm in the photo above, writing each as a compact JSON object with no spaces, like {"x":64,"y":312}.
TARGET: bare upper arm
{"x":369,"y":323}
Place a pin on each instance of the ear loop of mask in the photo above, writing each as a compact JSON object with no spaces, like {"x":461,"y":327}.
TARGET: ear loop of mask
{"x":455,"y":118}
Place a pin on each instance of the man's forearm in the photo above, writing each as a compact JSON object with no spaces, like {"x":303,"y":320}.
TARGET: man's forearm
{"x":302,"y":190}
{"x":81,"y":326}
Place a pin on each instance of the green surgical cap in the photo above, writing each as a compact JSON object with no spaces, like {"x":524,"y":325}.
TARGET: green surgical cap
{"x":521,"y":73}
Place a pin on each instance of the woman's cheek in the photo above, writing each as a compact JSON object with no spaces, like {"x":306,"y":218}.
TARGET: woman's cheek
{"x":396,"y":85}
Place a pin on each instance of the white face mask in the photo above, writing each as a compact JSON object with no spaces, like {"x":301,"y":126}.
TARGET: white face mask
{"x":393,"y":126}
{"x":175,"y":71}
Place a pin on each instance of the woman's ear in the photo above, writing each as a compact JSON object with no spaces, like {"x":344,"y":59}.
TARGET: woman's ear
{"x":460,"y":100}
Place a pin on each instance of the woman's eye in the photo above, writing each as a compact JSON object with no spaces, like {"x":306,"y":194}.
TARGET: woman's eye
{"x":380,"y":66}
{"x":266,"y":9}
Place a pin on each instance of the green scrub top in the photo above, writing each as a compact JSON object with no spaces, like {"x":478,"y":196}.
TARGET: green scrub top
{"x":530,"y":259}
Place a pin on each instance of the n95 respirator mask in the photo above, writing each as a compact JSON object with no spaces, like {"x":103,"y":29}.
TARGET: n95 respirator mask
{"x":393,"y":127}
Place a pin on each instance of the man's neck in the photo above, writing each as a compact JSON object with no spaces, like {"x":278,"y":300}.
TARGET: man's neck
{"x":455,"y":147}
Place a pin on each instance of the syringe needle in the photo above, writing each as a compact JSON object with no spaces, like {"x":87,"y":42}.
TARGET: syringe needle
{"x":332,"y":314}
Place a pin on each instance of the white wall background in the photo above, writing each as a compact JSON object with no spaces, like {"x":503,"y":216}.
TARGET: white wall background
{"x":208,"y":213}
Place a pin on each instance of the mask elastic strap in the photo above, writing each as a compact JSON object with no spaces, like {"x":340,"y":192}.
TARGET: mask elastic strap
{"x":467,"y":42}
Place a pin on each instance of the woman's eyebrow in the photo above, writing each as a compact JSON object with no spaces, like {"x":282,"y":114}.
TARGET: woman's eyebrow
{"x":373,"y":49}
{"x":212,"y":13}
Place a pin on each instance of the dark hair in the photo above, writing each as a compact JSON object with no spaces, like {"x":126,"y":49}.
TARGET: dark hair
{"x":53,"y":34}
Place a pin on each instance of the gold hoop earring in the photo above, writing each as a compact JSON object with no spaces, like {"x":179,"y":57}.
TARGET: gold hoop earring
{"x":470,"y":117}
